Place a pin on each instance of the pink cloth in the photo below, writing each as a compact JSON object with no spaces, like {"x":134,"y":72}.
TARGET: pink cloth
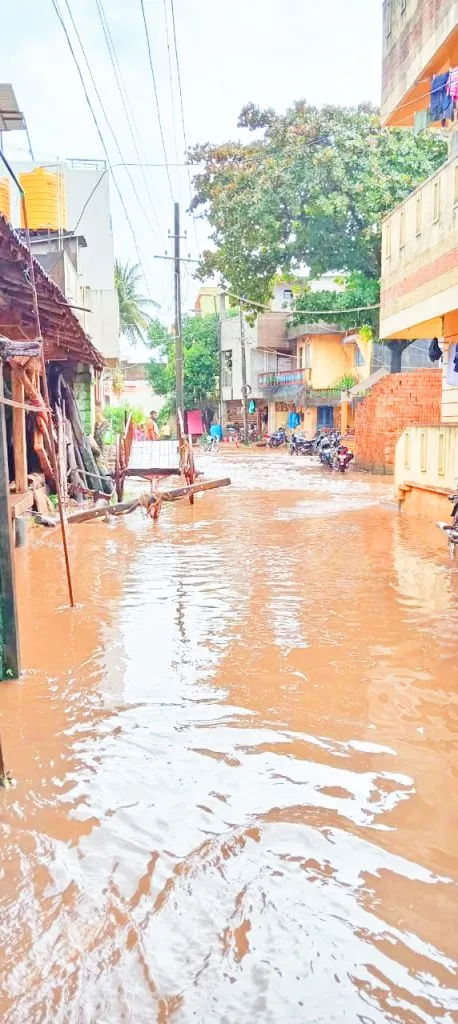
{"x":195,"y":425}
{"x":453,"y":85}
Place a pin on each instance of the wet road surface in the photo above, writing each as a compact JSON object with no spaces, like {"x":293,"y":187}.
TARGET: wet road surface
{"x":236,"y":763}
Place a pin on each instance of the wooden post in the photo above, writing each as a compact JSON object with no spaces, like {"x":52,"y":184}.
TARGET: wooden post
{"x":8,"y":618}
{"x":344,"y":411}
{"x":19,"y":438}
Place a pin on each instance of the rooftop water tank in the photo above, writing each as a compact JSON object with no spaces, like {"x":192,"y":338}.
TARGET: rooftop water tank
{"x":45,"y":200}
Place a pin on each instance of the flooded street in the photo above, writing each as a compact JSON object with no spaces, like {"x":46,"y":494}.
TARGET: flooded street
{"x":236,"y":763}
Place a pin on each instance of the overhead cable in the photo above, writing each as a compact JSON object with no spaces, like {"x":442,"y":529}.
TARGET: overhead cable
{"x":172,"y":92}
{"x":130,"y":117}
{"x":183,"y":124}
{"x":112,"y":133}
{"x":150,"y":58}
{"x":97,"y":126}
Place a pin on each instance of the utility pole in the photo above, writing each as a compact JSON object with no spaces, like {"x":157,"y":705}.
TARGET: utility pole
{"x":244,"y":383}
{"x":10,"y":665}
{"x":178,"y":334}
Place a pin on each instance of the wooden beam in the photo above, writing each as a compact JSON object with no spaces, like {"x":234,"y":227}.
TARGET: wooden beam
{"x":19,"y":438}
{"x":9,"y":642}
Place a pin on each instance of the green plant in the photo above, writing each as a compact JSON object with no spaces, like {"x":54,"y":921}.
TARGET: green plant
{"x":116,"y":416}
{"x":365,"y":332}
{"x":346,"y":382}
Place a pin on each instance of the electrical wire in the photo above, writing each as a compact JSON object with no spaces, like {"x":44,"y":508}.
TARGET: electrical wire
{"x":150,"y":58}
{"x":172,"y":93}
{"x":112,"y":133}
{"x":97,"y":126}
{"x":311,"y":312}
{"x":183,"y":124}
{"x":124,"y":99}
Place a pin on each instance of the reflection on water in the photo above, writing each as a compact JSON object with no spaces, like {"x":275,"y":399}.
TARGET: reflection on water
{"x":236,"y":764}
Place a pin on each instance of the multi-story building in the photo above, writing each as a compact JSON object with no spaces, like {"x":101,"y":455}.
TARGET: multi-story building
{"x":72,"y":235}
{"x":419,"y":289}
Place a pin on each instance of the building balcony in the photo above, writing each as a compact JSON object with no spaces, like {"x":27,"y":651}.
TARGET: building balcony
{"x":295,"y":386}
{"x":419,"y":282}
{"x":419,"y":40}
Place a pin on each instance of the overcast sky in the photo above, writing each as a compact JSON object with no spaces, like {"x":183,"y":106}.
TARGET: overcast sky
{"x":268,"y":52}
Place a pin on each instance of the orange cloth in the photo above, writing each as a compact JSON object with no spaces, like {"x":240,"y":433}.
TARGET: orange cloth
{"x":152,"y":433}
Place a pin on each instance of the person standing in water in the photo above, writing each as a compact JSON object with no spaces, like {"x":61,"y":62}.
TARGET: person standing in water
{"x":152,"y":429}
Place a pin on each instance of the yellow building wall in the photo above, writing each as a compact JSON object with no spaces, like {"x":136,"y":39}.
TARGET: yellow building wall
{"x":419,"y":283}
{"x":330,"y":360}
{"x":426,"y":463}
{"x":449,"y":412}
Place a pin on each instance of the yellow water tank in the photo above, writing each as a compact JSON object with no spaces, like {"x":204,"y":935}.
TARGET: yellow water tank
{"x":5,"y":201}
{"x":45,"y":200}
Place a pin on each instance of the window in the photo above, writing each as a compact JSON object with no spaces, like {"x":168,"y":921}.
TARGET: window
{"x":288,"y":295}
{"x":418,"y":213}
{"x":307,"y":358}
{"x":402,"y":229}
{"x":359,"y":358}
{"x":226,"y":373}
{"x":436,"y":201}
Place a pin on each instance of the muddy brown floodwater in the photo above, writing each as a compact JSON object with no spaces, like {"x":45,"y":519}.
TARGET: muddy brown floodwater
{"x":236,"y":764}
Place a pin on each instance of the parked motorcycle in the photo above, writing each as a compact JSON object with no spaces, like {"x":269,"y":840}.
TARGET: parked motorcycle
{"x":278,"y":439}
{"x":301,"y":445}
{"x":451,"y":529}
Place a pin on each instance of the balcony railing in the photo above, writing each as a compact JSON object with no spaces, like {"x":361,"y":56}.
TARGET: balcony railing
{"x":291,"y":382}
{"x":281,"y":378}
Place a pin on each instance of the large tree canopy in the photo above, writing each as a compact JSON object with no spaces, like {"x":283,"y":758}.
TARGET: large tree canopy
{"x":200,"y":362}
{"x":310,"y":188}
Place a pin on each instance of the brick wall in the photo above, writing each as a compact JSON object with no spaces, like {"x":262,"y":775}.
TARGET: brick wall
{"x":395,"y":402}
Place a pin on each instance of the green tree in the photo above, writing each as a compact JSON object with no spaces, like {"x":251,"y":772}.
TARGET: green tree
{"x":134,"y":319}
{"x":310,"y":188}
{"x":358,"y":291}
{"x":200,"y":362}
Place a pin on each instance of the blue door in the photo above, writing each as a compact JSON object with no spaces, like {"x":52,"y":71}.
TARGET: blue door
{"x":325,"y":416}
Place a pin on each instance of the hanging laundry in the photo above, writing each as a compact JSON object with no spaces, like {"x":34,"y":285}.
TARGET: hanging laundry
{"x":435,"y":351}
{"x":453,"y":85}
{"x":452,"y":367}
{"x":293,"y":420}
{"x":421,"y":121}
{"x":442,"y":106}
{"x":251,"y":406}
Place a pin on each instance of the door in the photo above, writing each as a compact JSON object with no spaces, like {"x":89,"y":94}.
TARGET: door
{"x":325,"y":416}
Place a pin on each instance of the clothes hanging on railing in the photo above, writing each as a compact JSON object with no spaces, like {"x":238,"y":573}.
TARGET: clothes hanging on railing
{"x":453,"y":85}
{"x":452,"y":366}
{"x":442,"y":105}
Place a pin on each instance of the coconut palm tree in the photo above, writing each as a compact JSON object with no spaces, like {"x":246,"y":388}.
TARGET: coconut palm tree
{"x":133,"y":317}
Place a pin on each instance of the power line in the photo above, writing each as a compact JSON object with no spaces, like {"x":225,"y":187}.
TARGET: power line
{"x":112,"y":133}
{"x":180,"y":90}
{"x":96,"y":123}
{"x":150,"y":58}
{"x":172,"y":93}
{"x":124,"y":97}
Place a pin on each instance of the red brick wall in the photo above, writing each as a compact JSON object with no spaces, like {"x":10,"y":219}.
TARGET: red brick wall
{"x":397,"y":401}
